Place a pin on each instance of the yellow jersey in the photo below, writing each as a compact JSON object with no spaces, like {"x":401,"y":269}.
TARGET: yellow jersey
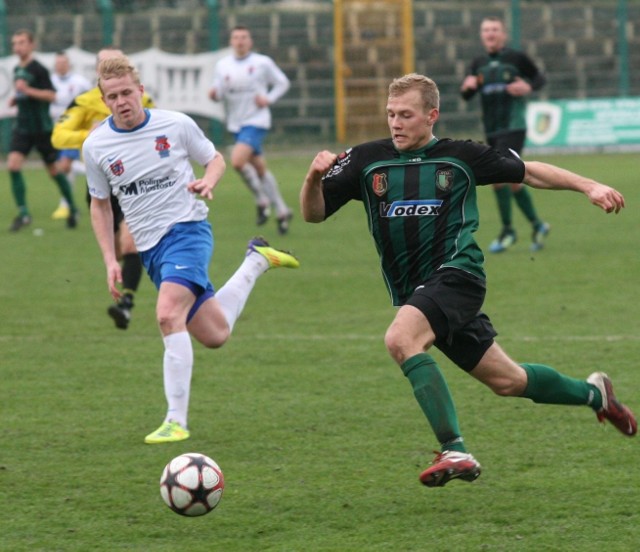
{"x":79,"y":119}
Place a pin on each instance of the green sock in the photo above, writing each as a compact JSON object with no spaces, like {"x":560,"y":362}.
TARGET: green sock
{"x":65,"y":190}
{"x":433,"y":396}
{"x":546,"y":385}
{"x":525,"y":202}
{"x":503,"y":197}
{"x":19,"y":191}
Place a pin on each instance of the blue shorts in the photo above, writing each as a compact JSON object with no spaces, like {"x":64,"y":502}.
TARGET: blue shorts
{"x":253,"y":136}
{"x":183,"y":256}
{"x":69,"y":154}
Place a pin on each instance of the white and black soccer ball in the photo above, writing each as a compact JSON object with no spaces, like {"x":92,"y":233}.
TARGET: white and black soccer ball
{"x":192,"y":484}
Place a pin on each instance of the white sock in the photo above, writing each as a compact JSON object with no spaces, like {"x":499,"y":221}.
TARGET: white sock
{"x":270,"y":186}
{"x":178,"y":366}
{"x":233,"y":295}
{"x":78,"y":167}
{"x":252,"y":180}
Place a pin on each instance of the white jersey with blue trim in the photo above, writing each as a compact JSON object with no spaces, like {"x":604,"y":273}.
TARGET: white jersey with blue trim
{"x":239,"y":80}
{"x":67,"y":88}
{"x":148,"y":168}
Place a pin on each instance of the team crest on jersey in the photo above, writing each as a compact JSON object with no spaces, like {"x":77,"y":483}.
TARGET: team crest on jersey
{"x":342,"y":161}
{"x":163,"y":146}
{"x":444,"y":179}
{"x":117,"y":168}
{"x":379,"y":184}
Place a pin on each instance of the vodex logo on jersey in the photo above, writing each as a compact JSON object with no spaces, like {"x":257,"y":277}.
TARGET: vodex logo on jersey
{"x":411,"y":208}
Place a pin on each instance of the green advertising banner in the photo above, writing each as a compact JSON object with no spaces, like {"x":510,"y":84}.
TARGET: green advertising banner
{"x":578,"y":124}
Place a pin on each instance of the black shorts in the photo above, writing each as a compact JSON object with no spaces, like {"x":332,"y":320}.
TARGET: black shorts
{"x":451,"y":300}
{"x":118,"y":215}
{"x":24,"y":142}
{"x":513,"y":139}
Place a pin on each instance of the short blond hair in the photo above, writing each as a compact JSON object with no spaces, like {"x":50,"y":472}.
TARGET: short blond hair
{"x":115,"y":68}
{"x":413,"y":81}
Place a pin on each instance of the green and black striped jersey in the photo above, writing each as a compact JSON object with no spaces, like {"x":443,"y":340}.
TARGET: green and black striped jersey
{"x":502,"y":112}
{"x":33,"y":115}
{"x":421,"y":205}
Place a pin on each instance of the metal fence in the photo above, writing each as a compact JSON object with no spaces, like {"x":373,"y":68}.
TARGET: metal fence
{"x":588,"y":49}
{"x":42,"y":7}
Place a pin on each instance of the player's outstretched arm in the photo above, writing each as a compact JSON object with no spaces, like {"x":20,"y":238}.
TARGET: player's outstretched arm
{"x":549,"y":177}
{"x":212,"y":175}
{"x":102,"y":223}
{"x":311,"y":197}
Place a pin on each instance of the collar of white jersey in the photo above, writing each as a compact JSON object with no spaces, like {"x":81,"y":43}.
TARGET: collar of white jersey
{"x":147,"y":116}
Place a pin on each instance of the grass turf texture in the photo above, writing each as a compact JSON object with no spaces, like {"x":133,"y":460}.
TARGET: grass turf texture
{"x":316,"y":430}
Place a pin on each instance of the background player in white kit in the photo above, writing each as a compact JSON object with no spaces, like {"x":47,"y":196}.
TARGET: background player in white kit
{"x":143,"y":157}
{"x":249,"y":83}
{"x":68,"y":85}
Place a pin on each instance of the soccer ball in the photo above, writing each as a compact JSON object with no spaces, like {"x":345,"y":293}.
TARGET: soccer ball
{"x":191,"y":484}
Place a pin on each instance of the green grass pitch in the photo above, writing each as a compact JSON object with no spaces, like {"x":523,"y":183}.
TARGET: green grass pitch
{"x":316,"y":430}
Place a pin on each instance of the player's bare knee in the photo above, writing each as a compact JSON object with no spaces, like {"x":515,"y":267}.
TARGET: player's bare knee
{"x":238,"y":164}
{"x":168,"y":323}
{"x":396,"y":344}
{"x":213,"y":333}
{"x":390,"y":341}
{"x":216,"y":339}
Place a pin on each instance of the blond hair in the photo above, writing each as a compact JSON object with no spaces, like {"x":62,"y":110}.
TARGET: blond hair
{"x":413,"y":81}
{"x":115,"y":68}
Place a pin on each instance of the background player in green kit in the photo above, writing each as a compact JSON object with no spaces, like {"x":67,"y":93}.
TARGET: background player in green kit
{"x":504,"y":77}
{"x":419,"y":195}
{"x":32,"y":128}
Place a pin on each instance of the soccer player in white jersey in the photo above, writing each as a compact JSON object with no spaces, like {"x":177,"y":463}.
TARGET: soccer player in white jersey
{"x":68,"y":85}
{"x":249,"y":83}
{"x":144,"y":158}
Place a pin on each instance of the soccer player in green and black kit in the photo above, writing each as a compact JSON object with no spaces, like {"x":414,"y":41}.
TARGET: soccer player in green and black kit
{"x":32,"y":128}
{"x":504,"y":77}
{"x":419,"y":195}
